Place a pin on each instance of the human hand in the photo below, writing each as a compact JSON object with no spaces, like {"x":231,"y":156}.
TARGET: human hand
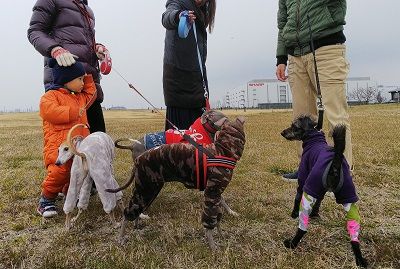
{"x":191,"y":16}
{"x":281,"y":72}
{"x":63,"y":56}
{"x":105,"y":60}
{"x":101,"y":51}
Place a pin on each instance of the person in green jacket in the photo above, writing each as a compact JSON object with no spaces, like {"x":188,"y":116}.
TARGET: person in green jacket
{"x":326,"y":18}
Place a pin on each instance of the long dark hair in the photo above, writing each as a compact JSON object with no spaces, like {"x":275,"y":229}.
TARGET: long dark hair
{"x":209,"y":9}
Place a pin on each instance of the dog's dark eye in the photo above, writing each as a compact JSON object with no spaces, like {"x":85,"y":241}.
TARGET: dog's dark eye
{"x":66,"y":149}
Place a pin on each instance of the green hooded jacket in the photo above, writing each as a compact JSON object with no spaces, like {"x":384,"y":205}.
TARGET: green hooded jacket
{"x":326,"y":17}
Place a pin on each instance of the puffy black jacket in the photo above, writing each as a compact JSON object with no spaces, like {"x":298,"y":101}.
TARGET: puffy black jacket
{"x":69,"y":24}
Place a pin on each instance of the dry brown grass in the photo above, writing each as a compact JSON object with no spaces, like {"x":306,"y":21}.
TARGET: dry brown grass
{"x":173,"y":238}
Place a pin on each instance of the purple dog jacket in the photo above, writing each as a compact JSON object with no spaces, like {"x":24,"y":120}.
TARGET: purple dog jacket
{"x":316,"y":158}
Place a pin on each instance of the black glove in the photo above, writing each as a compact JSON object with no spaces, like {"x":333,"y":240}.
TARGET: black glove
{"x":360,"y":261}
{"x":292,"y":243}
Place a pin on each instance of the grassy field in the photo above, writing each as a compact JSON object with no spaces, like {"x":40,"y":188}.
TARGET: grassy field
{"x":173,"y":237}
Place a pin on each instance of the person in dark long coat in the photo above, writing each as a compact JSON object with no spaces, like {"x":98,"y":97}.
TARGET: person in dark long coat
{"x":184,"y":94}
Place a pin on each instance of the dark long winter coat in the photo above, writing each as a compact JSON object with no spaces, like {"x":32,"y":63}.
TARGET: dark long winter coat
{"x":63,"y":23}
{"x":182,"y":81}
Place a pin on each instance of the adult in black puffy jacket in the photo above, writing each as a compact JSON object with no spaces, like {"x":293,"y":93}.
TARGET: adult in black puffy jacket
{"x":63,"y":29}
{"x":182,"y":79}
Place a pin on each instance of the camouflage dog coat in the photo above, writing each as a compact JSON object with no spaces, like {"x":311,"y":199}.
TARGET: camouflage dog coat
{"x":177,"y":162}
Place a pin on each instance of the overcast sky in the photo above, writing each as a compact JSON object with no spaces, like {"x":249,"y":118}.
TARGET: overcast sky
{"x":241,"y":48}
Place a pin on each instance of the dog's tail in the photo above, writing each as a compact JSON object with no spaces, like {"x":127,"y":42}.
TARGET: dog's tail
{"x":130,"y":147}
{"x":126,"y":185}
{"x":339,"y":140}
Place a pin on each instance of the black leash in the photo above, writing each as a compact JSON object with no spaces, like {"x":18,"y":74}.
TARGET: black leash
{"x":183,"y":134}
{"x":320,"y":105}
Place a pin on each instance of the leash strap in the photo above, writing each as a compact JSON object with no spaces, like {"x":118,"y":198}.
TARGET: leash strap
{"x":206,"y":93}
{"x":183,"y":31}
{"x":185,"y":136}
{"x":320,"y":105}
{"x":200,"y":147}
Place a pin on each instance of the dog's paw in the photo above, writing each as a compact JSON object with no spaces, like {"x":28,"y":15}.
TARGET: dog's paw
{"x":122,"y":240}
{"x":289,"y":244}
{"x":210,"y":240}
{"x":233,"y":213}
{"x":315,"y":216}
{"x":361,"y":262}
{"x":67,"y":227}
{"x":144,"y":216}
{"x":294,"y":214}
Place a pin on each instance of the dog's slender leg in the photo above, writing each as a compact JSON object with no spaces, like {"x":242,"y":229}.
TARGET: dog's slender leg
{"x":121,"y":205}
{"x":307,"y":202}
{"x":360,"y":261}
{"x":68,"y":221}
{"x":227,"y":208}
{"x":353,"y":228}
{"x":74,"y":219}
{"x":210,"y":239}
{"x":315,"y":210}
{"x":136,"y":223}
{"x":112,"y":218}
{"x":121,"y":236}
{"x":296,"y":208}
{"x":219,"y":230}
{"x":293,"y":242}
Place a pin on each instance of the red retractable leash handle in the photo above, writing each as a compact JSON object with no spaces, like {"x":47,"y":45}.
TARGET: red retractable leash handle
{"x":106,"y":64}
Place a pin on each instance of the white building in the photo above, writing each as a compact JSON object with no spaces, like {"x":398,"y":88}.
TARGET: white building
{"x":272,"y":93}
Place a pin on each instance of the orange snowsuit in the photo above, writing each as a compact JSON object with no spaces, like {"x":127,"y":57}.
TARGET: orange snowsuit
{"x":59,"y":110}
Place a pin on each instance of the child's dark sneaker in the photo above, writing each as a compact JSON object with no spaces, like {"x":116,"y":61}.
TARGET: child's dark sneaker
{"x":47,"y":208}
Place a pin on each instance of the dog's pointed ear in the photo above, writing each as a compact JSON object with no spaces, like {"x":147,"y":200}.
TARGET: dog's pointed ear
{"x":241,"y":119}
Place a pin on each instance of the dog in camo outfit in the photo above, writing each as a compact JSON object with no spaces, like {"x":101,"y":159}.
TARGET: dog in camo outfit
{"x":186,"y":164}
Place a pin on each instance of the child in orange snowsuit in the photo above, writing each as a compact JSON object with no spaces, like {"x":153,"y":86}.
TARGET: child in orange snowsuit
{"x":61,"y":107}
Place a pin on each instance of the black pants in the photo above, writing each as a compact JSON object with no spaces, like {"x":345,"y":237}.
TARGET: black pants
{"x":182,"y":117}
{"x":96,"y":118}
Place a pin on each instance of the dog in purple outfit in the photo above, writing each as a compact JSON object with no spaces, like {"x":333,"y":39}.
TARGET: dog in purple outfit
{"x":323,"y":168}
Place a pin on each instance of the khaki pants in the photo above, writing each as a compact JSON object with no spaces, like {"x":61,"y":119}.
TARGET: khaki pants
{"x":332,"y":69}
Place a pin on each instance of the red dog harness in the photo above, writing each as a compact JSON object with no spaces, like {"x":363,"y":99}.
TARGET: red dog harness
{"x":196,"y":131}
{"x":202,"y":163}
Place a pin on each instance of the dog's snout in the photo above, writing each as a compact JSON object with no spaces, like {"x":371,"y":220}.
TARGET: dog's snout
{"x":285,"y":133}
